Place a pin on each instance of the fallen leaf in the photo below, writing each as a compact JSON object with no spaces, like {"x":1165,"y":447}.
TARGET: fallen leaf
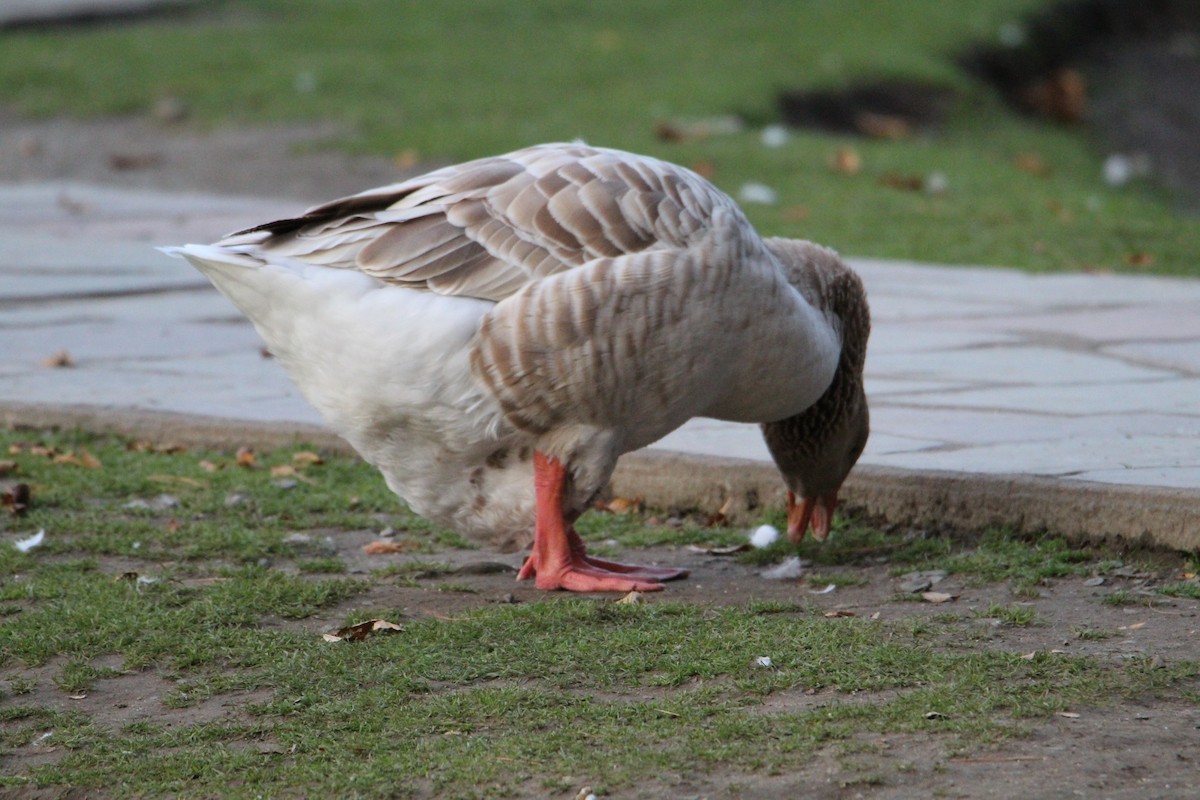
{"x":307,"y":458}
{"x":246,"y":458}
{"x":1135,"y":626}
{"x":7,"y":466}
{"x":1061,"y":96}
{"x":208,"y":466}
{"x":58,"y":360}
{"x":882,"y":126}
{"x":1139,"y":259}
{"x":1033,"y":164}
{"x":1068,"y":714}
{"x":84,"y":458}
{"x":938,"y":597}
{"x":25,"y":545}
{"x":383,"y":547}
{"x":846,"y":161}
{"x":908,"y":183}
{"x":719,"y":549}
{"x":195,"y":483}
{"x":763,"y":661}
{"x":356,"y":633}
{"x":16,"y":499}
{"x":80,"y":696}
{"x":1030,"y":655}
{"x":624,"y":505}
{"x":828,"y":588}
{"x":631,"y":599}
{"x":840,"y":612}
{"x":143,"y":446}
{"x":407,"y":158}
{"x":876,"y":615}
{"x":722,"y":513}
{"x":289,"y":471}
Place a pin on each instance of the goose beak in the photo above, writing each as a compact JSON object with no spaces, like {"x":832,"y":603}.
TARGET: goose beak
{"x":817,"y":511}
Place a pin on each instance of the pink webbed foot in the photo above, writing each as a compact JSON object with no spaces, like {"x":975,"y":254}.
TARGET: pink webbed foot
{"x":559,"y":559}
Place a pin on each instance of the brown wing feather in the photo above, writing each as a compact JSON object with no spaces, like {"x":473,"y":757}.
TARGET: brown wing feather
{"x":488,"y":227}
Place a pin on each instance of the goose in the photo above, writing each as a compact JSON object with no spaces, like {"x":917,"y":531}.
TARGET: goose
{"x":493,"y":335}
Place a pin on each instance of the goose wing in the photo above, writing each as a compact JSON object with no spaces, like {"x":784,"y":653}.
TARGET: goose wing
{"x":489,"y":227}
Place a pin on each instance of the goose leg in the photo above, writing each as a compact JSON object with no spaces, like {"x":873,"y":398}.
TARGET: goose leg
{"x":559,"y":559}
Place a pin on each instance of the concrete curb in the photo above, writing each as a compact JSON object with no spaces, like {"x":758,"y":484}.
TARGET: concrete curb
{"x":1139,"y":516}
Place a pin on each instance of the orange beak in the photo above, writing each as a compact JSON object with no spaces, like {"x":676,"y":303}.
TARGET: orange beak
{"x":818,"y":512}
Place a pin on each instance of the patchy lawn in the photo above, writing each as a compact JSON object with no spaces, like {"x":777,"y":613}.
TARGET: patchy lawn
{"x":167,"y":637}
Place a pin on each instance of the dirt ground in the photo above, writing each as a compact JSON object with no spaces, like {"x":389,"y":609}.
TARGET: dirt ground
{"x":1144,"y":749}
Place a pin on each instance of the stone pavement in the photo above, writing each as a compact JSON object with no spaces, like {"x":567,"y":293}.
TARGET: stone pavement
{"x":1080,"y":379}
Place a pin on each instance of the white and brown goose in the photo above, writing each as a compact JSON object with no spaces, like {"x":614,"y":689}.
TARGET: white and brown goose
{"x":492,"y":336}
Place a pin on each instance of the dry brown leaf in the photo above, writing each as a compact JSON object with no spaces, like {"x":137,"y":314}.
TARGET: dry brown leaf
{"x":633,"y":598}
{"x":16,"y":499}
{"x":1033,"y":164}
{"x":846,"y":161}
{"x":938,"y":597}
{"x":624,"y":505}
{"x":58,"y":360}
{"x":840,"y":612}
{"x":246,"y":458}
{"x":407,"y":158}
{"x":195,"y":483}
{"x":356,"y":633}
{"x":208,"y":466}
{"x":1068,"y":714}
{"x":1135,"y":626}
{"x":7,"y":466}
{"x":1029,"y":656}
{"x":307,"y":458}
{"x":83,"y":458}
{"x":908,"y":183}
{"x":1139,"y":259}
{"x":882,"y":126}
{"x":383,"y":547}
{"x":1061,"y":96}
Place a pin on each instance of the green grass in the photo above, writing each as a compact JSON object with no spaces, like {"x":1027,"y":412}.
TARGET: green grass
{"x":459,"y":79}
{"x":503,"y":700}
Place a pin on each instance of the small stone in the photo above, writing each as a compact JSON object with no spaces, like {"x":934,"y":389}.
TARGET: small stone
{"x":234,"y":499}
{"x":286,"y":483}
{"x":1096,"y":581}
{"x":295,"y":539}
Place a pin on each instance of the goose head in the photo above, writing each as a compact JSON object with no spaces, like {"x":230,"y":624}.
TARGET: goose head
{"x":816,"y":448}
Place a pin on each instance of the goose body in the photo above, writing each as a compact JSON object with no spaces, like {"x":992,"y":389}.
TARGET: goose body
{"x":492,"y":336}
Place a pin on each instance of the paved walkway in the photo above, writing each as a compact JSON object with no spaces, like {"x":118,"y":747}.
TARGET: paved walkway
{"x":1078,"y":377}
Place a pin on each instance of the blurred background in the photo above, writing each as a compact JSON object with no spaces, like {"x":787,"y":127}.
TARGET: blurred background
{"x":1039,"y":134}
